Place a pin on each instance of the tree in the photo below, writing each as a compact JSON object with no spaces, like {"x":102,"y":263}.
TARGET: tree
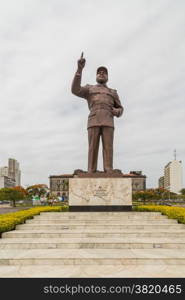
{"x":10,"y":194}
{"x":21,"y":190}
{"x":37,"y":189}
{"x":154,"y":194}
{"x":182,"y":191}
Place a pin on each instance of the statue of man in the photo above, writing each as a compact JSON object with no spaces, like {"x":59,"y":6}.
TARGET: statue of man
{"x":103,"y":104}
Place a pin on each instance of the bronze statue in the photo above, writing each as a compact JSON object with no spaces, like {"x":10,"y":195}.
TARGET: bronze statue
{"x":103,"y":104}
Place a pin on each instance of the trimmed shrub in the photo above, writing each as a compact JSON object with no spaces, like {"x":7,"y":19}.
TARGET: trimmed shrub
{"x":172,"y":212}
{"x":10,"y":220}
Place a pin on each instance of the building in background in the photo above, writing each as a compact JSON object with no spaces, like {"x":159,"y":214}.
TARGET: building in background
{"x":172,"y":179}
{"x":14,"y":171}
{"x":161,"y":182}
{"x":10,"y":176}
{"x":59,"y":184}
{"x":6,"y":182}
{"x":4,"y":171}
{"x":138,"y":181}
{"x":173,"y":176}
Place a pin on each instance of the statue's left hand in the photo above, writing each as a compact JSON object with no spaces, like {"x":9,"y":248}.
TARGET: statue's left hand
{"x":115,"y":112}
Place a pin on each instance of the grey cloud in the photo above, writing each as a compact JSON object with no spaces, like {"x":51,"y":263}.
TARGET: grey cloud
{"x":44,"y":126}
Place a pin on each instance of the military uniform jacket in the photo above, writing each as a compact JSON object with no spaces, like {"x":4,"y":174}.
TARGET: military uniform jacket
{"x":101,"y":100}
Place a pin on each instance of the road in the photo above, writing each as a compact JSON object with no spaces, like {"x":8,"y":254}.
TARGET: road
{"x":4,"y":209}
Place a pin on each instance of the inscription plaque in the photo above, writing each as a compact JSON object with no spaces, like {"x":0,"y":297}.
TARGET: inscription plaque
{"x":100,"y":192}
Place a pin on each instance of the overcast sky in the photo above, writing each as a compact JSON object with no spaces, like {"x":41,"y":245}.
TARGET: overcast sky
{"x":43,"y":125}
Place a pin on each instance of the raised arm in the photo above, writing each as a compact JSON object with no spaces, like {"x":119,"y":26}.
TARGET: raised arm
{"x":76,"y":87}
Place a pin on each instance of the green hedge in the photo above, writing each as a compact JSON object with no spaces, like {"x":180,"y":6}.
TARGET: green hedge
{"x":10,"y":220}
{"x":177,"y":213}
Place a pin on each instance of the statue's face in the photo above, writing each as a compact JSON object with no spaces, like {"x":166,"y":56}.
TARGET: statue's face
{"x":102,"y":76}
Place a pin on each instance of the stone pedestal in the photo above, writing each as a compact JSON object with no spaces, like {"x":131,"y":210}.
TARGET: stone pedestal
{"x":100,"y":194}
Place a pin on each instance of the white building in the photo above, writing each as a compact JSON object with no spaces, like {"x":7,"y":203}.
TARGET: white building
{"x":173,"y":176}
{"x":10,"y":176}
{"x":6,"y":182}
{"x":3,"y":171}
{"x":14,"y":171}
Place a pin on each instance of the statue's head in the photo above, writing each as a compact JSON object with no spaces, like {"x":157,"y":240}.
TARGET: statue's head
{"x":102,"y":75}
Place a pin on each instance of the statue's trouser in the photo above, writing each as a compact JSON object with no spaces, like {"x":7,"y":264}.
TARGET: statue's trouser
{"x":107,"y":136}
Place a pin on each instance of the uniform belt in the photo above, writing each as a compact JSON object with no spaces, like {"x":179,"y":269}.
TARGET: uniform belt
{"x":101,"y":106}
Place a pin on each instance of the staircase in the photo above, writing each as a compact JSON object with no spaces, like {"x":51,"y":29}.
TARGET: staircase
{"x":94,"y":244}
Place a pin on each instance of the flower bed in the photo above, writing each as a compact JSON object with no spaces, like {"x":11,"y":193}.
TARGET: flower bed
{"x":10,"y":220}
{"x":177,"y":213}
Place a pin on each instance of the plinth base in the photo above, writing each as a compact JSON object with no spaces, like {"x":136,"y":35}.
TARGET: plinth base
{"x":100,"y":194}
{"x":99,"y":208}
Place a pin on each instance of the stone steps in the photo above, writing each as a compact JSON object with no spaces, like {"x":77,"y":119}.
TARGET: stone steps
{"x":92,"y":243}
{"x":100,"y":215}
{"x":91,"y":222}
{"x":88,"y":271}
{"x":104,"y":241}
{"x":91,"y":233}
{"x":92,"y":257}
{"x":108,"y":227}
{"x":104,"y":218}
